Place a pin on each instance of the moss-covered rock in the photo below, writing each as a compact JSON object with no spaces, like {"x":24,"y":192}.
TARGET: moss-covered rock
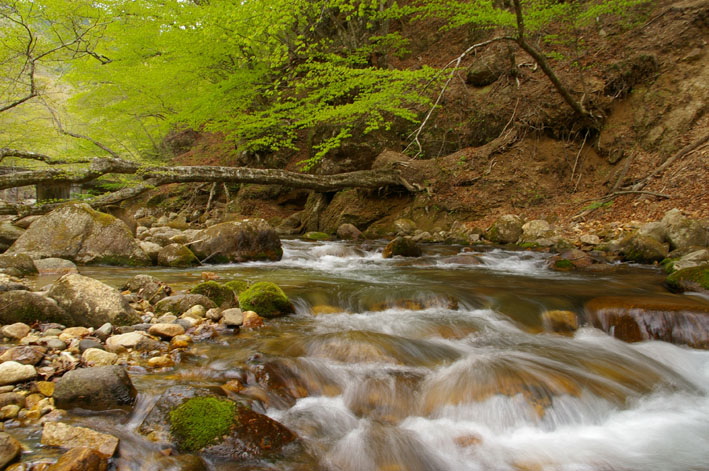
{"x":690,"y":279}
{"x":201,"y":421}
{"x":28,"y":307}
{"x":221,"y":295}
{"x":403,"y":247}
{"x":237,"y":286}
{"x":83,"y":235}
{"x":266,"y":299}
{"x":177,"y":256}
{"x":179,"y":303}
{"x":313,"y":235}
{"x":506,"y":230}
{"x":18,"y":264}
{"x":643,"y":249}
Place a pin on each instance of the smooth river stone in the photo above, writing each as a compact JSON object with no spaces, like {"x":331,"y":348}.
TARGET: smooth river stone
{"x":166,"y":330}
{"x":12,"y":372}
{"x":67,"y":436}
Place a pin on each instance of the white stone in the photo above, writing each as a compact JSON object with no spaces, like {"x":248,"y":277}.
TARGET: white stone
{"x":12,"y":372}
{"x":124,"y":341}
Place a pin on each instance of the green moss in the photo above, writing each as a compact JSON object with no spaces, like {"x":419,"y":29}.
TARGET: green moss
{"x":237,"y":286}
{"x":121,"y":261}
{"x":200,"y":421}
{"x":668,"y":265}
{"x":266,"y":299}
{"x":316,"y":236}
{"x":101,"y":218}
{"x":564,"y":264}
{"x":221,"y":295}
{"x":529,"y":245}
{"x":689,"y":277}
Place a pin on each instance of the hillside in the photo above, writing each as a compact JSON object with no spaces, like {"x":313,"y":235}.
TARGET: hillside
{"x":650,"y":81}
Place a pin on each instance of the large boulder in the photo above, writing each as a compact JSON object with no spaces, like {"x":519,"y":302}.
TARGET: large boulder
{"x":235,"y":242}
{"x":221,"y":295}
{"x":83,"y":235}
{"x":197,"y":420}
{"x":676,"y":319}
{"x":92,"y":303}
{"x":402,"y":247}
{"x":643,"y":249}
{"x":266,"y":299}
{"x":9,"y":233}
{"x":177,"y":256}
{"x":17,"y":264}
{"x":682,"y":232}
{"x":538,"y":231}
{"x":29,"y":307}
{"x":100,"y":387}
{"x":506,"y":230}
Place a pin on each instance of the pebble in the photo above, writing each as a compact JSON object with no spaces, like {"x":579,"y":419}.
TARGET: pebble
{"x":45,"y":388}
{"x":54,"y":343}
{"x":27,"y":355}
{"x":15,"y":331}
{"x":252,"y":320}
{"x":103,"y":332}
{"x":124,"y":341}
{"x":197,"y":312}
{"x":9,"y":411}
{"x":181,"y":341}
{"x":166,"y":318}
{"x":52,"y":332}
{"x":162,"y":361}
{"x":214,"y":314}
{"x":232,"y":317}
{"x":166,"y":331}
{"x":98,"y":357}
{"x":76,"y":332}
{"x":29,"y":339}
{"x":85,"y":344}
{"x":12,"y":372}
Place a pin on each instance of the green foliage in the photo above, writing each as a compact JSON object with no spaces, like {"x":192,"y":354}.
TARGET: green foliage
{"x":266,"y":299}
{"x":690,"y":279}
{"x":200,"y":421}
{"x":598,"y":205}
{"x":237,"y":286}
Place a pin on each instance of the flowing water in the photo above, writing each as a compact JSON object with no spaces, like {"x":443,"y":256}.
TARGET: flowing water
{"x":438,"y":363}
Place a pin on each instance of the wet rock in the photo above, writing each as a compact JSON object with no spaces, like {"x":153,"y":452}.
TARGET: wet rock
{"x":232,"y":317}
{"x":222,"y":296}
{"x":463,"y":259}
{"x":55,"y":266}
{"x":99,"y":387}
{"x":162,"y":361}
{"x":180,"y":341}
{"x":196,"y":312}
{"x":10,"y":411}
{"x":93,"y":302}
{"x":506,"y":230}
{"x":28,"y":307}
{"x":643,"y":249}
{"x":403,"y":247}
{"x":12,"y":372}
{"x":10,"y":449}
{"x":9,"y":283}
{"x":690,"y":279}
{"x":83,"y":235}
{"x":46,"y":388}
{"x":148,"y":287}
{"x":67,"y":436}
{"x":570,"y":260}
{"x":678,"y":320}
{"x":17,"y":264}
{"x":180,"y":303}
{"x":104,"y":331}
{"x":15,"y":331}
{"x":177,"y":256}
{"x":166,"y":331}
{"x":314,"y":235}
{"x":252,"y":320}
{"x":80,"y":459}
{"x":71,"y":333}
{"x":267,"y":299}
{"x":250,"y":239}
{"x":98,"y":357}
{"x":198,"y":421}
{"x":349,"y":232}
{"x":27,"y":355}
{"x":214,"y":314}
{"x":682,"y":232}
{"x":176,"y":463}
{"x":560,"y":321}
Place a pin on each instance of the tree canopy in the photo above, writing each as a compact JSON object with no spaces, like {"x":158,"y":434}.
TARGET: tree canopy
{"x":262,"y":73}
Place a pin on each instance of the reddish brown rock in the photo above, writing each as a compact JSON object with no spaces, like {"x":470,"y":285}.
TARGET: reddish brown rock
{"x":677,"y":320}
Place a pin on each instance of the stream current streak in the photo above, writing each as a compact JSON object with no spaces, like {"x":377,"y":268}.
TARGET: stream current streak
{"x":442,"y":363}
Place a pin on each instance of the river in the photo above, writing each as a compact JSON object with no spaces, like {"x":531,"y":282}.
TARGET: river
{"x":440,"y":363}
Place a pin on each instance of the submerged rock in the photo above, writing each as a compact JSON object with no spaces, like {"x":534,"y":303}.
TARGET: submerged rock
{"x":67,"y":436}
{"x":81,"y":459}
{"x":100,"y":387}
{"x":560,"y":321}
{"x":83,"y":235}
{"x":242,"y":241}
{"x":266,"y":299}
{"x":678,"y":320}
{"x":92,"y":302}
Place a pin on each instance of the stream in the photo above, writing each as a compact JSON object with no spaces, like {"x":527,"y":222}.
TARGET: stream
{"x":437,"y":363}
